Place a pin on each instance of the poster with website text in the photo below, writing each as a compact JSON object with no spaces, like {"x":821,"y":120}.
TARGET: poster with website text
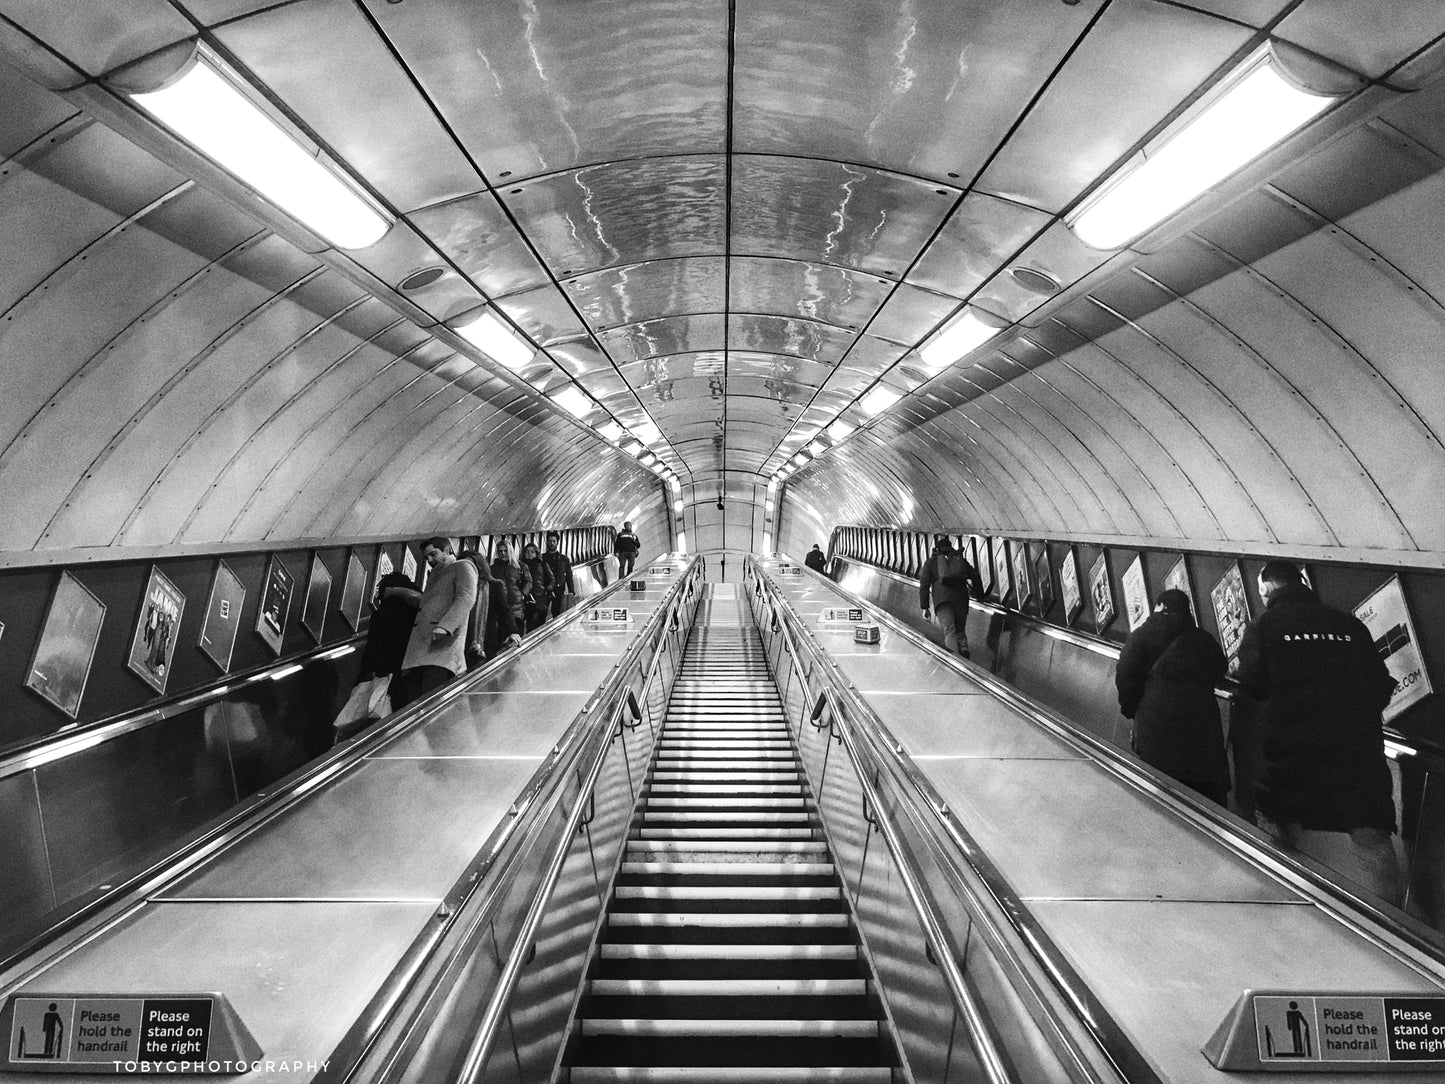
{"x":1387,"y":617}
{"x":1136,"y":593}
{"x":276,"y":591}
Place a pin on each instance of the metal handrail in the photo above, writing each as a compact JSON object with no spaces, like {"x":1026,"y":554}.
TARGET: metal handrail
{"x":1110,"y":1040}
{"x":995,"y":1064}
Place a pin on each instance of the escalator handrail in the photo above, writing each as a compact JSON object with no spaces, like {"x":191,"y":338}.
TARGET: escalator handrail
{"x":1108,"y":1037}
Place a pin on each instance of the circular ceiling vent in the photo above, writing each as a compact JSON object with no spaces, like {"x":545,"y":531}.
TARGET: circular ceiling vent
{"x":1038,"y":282}
{"x":425,"y":277}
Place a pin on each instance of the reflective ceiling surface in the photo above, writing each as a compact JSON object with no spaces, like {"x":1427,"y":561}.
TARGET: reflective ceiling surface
{"x":730,"y":221}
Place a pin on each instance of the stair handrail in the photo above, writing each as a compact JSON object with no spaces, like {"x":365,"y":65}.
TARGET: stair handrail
{"x":1108,"y":1038}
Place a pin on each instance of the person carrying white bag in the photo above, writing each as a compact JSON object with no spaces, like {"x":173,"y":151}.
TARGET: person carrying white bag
{"x":381,"y":659}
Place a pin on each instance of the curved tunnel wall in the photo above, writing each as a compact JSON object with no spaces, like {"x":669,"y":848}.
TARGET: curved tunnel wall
{"x":1267,"y":382}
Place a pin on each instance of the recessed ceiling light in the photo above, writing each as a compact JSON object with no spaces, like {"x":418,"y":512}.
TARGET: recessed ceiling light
{"x":878,"y":400}
{"x":573,"y":400}
{"x":491,"y":335}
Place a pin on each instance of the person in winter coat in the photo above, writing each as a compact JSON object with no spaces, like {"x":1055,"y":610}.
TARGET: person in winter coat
{"x":815,"y":559}
{"x":1166,"y":677}
{"x":563,"y":585}
{"x":540,"y":598}
{"x":950,"y":579}
{"x":491,"y":625}
{"x":516,"y":580}
{"x":390,"y":627}
{"x":436,"y":649}
{"x":1324,"y":788}
{"x":627,"y":546}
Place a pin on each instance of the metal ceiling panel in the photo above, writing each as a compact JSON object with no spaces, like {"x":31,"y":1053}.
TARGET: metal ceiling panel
{"x":649,"y":291}
{"x":211,"y":12}
{"x":545,"y":314}
{"x":98,"y":38}
{"x":1057,"y":253}
{"x":655,"y":338}
{"x":623,"y":212}
{"x":402,"y":252}
{"x":932,"y":87}
{"x":1367,"y":36}
{"x":1140,"y":61}
{"x":579,"y":356}
{"x":29,"y":111}
{"x":804,"y":339}
{"x":355,"y":97}
{"x":476,"y":235}
{"x":832,"y":295}
{"x":978,"y":237}
{"x":548,"y":85}
{"x":910,"y":314}
{"x":833,"y":213}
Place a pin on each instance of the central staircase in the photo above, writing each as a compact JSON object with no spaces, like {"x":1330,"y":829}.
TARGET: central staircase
{"x":728,"y":953}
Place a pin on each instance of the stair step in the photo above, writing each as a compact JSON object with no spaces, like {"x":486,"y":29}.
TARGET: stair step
{"x":788,"y":920}
{"x":770,"y":846}
{"x":726,"y":833}
{"x":714,"y":801}
{"x":726,"y":892}
{"x":643,"y":950}
{"x":838,"y":1029}
{"x":728,"y":987}
{"x":731,"y":1074}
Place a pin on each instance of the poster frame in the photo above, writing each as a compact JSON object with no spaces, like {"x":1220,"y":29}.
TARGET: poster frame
{"x":1231,"y":633}
{"x":1177,"y":579}
{"x":1100,"y":589}
{"x":82,"y":604}
{"x":1424,"y":688}
{"x":277,"y":581}
{"x":353,"y":592}
{"x":1002,"y":587}
{"x":1069,"y":585}
{"x":1043,"y":580}
{"x":318,"y":597}
{"x":157,"y":580}
{"x":238,"y":596}
{"x":1136,"y":592}
{"x":1023,"y":582}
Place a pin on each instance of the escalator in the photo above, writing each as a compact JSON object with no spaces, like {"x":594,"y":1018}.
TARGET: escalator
{"x":728,"y":952}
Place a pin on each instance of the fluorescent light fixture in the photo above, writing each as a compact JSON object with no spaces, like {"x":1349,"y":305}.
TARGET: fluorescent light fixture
{"x":956,"y":338}
{"x":769,"y":505}
{"x":839,"y":429}
{"x":210,"y":110}
{"x":676,"y":485}
{"x":573,"y":400}
{"x":1250,"y":112}
{"x":490,"y":334}
{"x":1394,"y":750}
{"x":682,"y":542}
{"x":878,"y":400}
{"x":767,"y":542}
{"x":286,"y":671}
{"x":647,"y":432}
{"x":773,"y":485}
{"x":647,"y":458}
{"x":610,"y":431}
{"x":814,"y":448}
{"x":801,"y":458}
{"x":632,"y":448}
{"x":677,"y":507}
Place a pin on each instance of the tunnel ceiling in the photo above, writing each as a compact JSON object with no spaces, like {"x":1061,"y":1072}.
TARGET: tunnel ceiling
{"x":725,"y":223}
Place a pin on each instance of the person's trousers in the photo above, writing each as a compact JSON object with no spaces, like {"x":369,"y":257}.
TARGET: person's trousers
{"x":1365,"y":856}
{"x":955,"y":634}
{"x":558,"y":605}
{"x":625,"y":561}
{"x":411,"y":685}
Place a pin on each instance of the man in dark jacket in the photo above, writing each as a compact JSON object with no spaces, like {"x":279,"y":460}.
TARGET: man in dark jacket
{"x":1324,"y":788}
{"x":627,"y":546}
{"x":815,"y":559}
{"x":561,"y":568}
{"x":1166,"y":677}
{"x":949,"y":577}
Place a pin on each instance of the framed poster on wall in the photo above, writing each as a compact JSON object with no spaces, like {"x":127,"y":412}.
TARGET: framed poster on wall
{"x":1101,"y":594}
{"x":154,"y":643}
{"x":1231,"y":611}
{"x":276,"y":591}
{"x":1136,"y":593}
{"x":1387,"y":617}
{"x":353,"y":592}
{"x":318,"y":593}
{"x":1000,"y":571}
{"x":1069,"y":585}
{"x":223,"y":616}
{"x":408,"y":565}
{"x":1177,"y":579}
{"x":63,"y":656}
{"x":1043,"y":581}
{"x":984,"y":566}
{"x":1022,"y":586}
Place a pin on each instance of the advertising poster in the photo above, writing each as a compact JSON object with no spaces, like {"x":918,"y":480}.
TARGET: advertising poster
{"x":384,"y":567}
{"x":1000,"y":570}
{"x":1101,"y":594}
{"x":984,"y":566}
{"x":1043,"y":581}
{"x":1136,"y":593}
{"x":408,"y":565}
{"x":1231,"y":611}
{"x":154,"y":643}
{"x":1069,"y":585}
{"x":1021,"y":574}
{"x":66,"y":649}
{"x":223,"y":617}
{"x":1388,"y":618}
{"x":276,"y":591}
{"x":318,"y":594}
{"x":353,"y":592}
{"x":1177,"y":579}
